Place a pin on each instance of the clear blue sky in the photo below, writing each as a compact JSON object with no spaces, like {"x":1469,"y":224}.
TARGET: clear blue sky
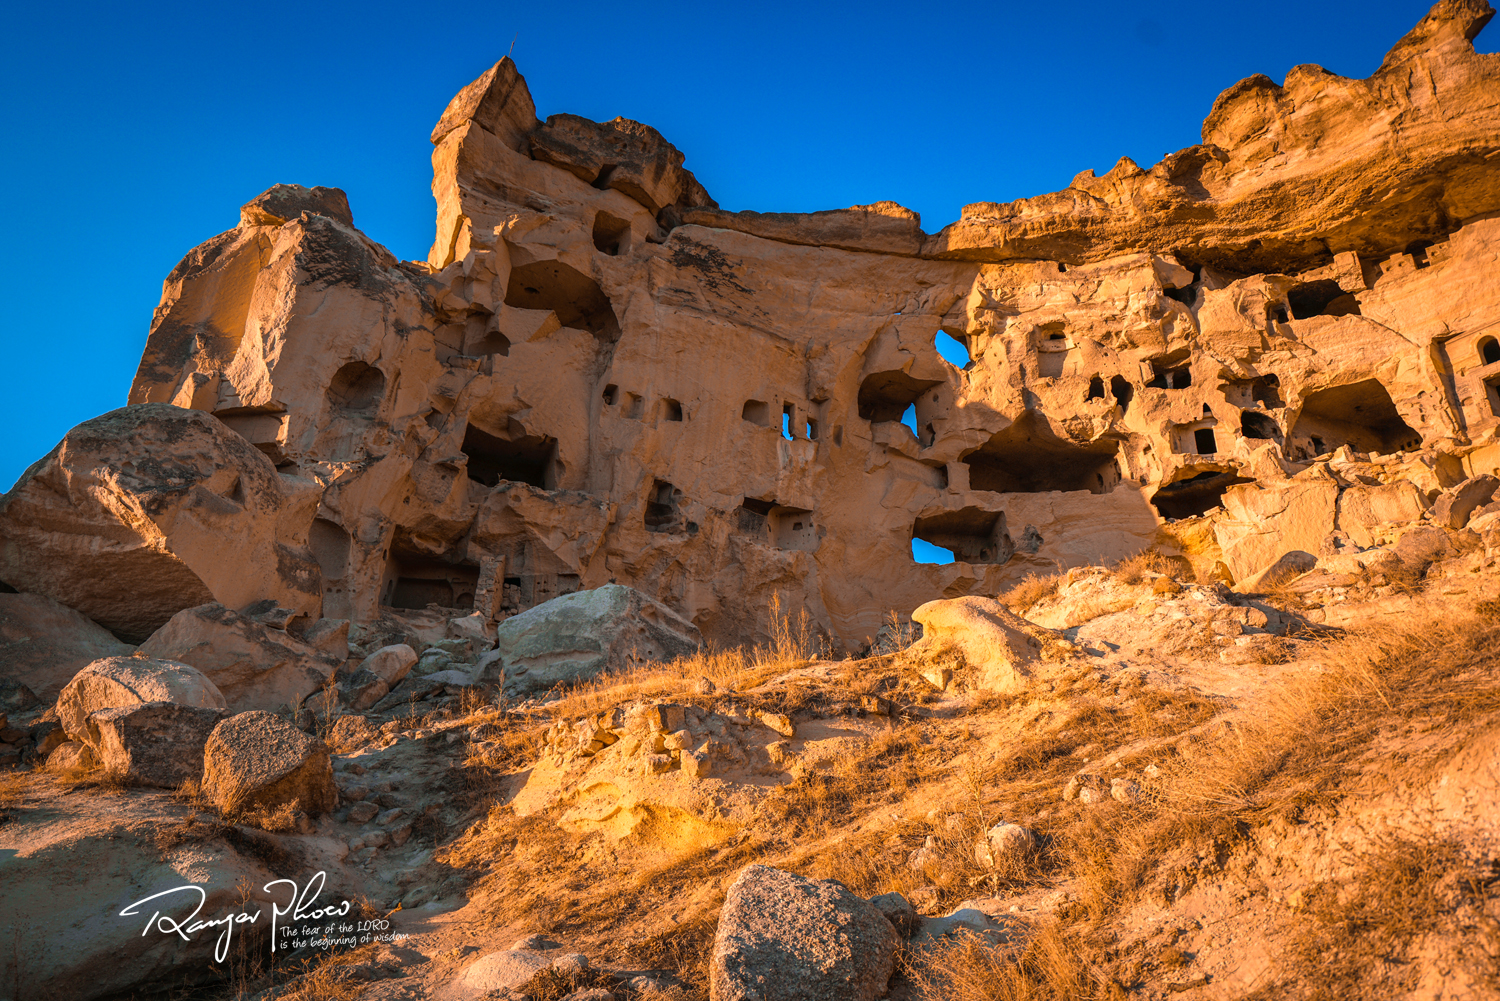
{"x":136,"y":130}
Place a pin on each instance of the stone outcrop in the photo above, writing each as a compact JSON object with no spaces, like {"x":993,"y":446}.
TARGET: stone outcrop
{"x":1003,"y":648}
{"x":129,"y":681}
{"x":134,"y":517}
{"x":153,"y":743}
{"x":254,"y":666}
{"x":258,"y":761}
{"x":579,"y":636}
{"x":788,"y":938}
{"x":44,"y":644}
{"x":599,"y":377}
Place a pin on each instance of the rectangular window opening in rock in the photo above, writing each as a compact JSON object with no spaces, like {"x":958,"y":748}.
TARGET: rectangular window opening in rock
{"x":972,"y":534}
{"x":530,"y":459}
{"x":671,"y":410}
{"x":757,"y":412}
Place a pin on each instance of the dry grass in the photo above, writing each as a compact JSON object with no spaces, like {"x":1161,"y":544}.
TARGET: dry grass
{"x":1030,"y":591}
{"x":1152,"y":561}
{"x":968,"y":969}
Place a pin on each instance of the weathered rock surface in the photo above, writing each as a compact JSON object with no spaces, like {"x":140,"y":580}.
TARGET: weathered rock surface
{"x":785,"y":938}
{"x":129,"y":520}
{"x":256,"y":667}
{"x":154,"y":743}
{"x":998,"y":643}
{"x":44,"y":644}
{"x":257,"y":760}
{"x":578,"y":636}
{"x":128,"y":681}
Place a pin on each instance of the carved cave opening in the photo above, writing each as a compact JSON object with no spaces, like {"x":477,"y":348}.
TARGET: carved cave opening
{"x":671,"y":409}
{"x":415,"y":581}
{"x":972,"y":535}
{"x":1027,"y":458}
{"x":1123,"y":392}
{"x":529,"y":459}
{"x":778,"y":524}
{"x":609,"y":233}
{"x":1320,"y":298}
{"x":885,"y":396}
{"x":757,"y":412}
{"x":1096,"y":389}
{"x":577,"y":299}
{"x":1489,"y":350}
{"x":1254,"y":424}
{"x":1171,"y":372}
{"x":357,"y":388}
{"x":664,"y":510}
{"x":1196,"y":495}
{"x":1362,"y":416}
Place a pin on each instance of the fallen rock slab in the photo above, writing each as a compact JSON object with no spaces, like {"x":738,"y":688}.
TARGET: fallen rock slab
{"x":256,"y":667}
{"x":786,"y":938}
{"x":130,"y":681}
{"x":584,"y":634}
{"x":154,"y":743}
{"x":999,"y":643}
{"x":257,"y":760}
{"x":44,"y":644}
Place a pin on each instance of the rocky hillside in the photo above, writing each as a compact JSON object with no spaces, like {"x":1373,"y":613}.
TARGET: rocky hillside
{"x":540,"y":620}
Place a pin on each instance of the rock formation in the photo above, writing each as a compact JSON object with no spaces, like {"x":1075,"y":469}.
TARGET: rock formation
{"x":599,"y":376}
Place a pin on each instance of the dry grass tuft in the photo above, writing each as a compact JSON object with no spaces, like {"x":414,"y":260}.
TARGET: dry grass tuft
{"x":1030,"y":591}
{"x":1152,"y":561}
{"x":966,"y":968}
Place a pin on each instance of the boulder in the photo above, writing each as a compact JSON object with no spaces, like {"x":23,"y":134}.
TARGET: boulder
{"x":998,"y":643}
{"x":257,"y":760}
{"x":129,"y":519}
{"x":786,"y":938}
{"x":578,"y":636}
{"x":627,"y":156}
{"x":506,"y":969}
{"x":1365,"y":510}
{"x":390,"y":663}
{"x":1281,"y":571}
{"x":1453,"y":507}
{"x":71,"y":754}
{"x":1004,"y":843}
{"x":1421,"y":547}
{"x":129,"y":681}
{"x":43,"y":644}
{"x":153,"y":743}
{"x":897,"y":910}
{"x":256,"y":667}
{"x":1262,"y":521}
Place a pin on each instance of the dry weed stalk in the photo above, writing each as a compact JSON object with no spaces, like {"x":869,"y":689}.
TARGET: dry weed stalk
{"x":1031,"y":591}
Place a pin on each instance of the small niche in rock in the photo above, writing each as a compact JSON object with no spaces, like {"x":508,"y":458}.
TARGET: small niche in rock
{"x":1122,"y":391}
{"x":357,"y":388}
{"x":1096,"y":389}
{"x":418,"y":581}
{"x":1186,"y":295}
{"x":1489,"y":350}
{"x":1028,"y":458}
{"x":662,"y":513}
{"x":753,"y":514}
{"x":609,"y":233}
{"x":1258,"y":425}
{"x":1266,"y":390}
{"x":757,"y":412}
{"x":1196,"y":495}
{"x":1321,"y":298}
{"x":792,"y":528}
{"x":1361,"y":415}
{"x":885,"y":396}
{"x":577,"y":300}
{"x":954,"y":351}
{"x":1205,"y":441}
{"x":972,"y":535}
{"x":330,"y":547}
{"x":528,"y":459}
{"x":671,"y":410}
{"x":611,"y":395}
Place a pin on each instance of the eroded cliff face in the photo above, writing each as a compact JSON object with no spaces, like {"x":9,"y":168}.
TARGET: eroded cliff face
{"x":599,"y":376}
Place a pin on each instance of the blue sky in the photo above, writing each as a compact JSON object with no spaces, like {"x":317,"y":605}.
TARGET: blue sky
{"x":136,"y":131}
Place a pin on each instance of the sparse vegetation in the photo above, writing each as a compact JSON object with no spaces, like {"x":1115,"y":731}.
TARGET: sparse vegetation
{"x":1030,"y":591}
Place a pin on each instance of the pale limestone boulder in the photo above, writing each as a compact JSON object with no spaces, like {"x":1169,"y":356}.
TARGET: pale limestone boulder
{"x":44,"y":644}
{"x":1002,"y":646}
{"x":129,"y":520}
{"x":1262,"y":522}
{"x":506,"y":969}
{"x":127,"y":681}
{"x":390,"y":663}
{"x":788,"y":938}
{"x":257,"y":760}
{"x":1368,"y":512}
{"x":154,"y":743}
{"x":71,"y":754}
{"x":581,"y":635}
{"x":1286,"y":567}
{"x":1453,"y":508}
{"x":254,"y":666}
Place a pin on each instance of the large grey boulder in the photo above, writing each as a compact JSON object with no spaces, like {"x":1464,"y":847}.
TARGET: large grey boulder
{"x":578,"y":636}
{"x":43,"y":644}
{"x":785,"y":938}
{"x":255,"y":666}
{"x":257,"y":760}
{"x":154,"y":743}
{"x":130,"y":681}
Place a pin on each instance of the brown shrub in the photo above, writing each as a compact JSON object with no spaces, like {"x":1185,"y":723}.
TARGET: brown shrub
{"x":1030,"y":591}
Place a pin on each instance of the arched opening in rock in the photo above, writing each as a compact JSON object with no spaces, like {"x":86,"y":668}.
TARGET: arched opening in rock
{"x":1266,"y":390}
{"x":954,"y":351}
{"x":330,"y":547}
{"x":528,"y":459}
{"x":609,"y":233}
{"x":577,"y":299}
{"x":757,"y":412}
{"x":1195,"y":495}
{"x":1258,"y":425}
{"x":1096,"y":389}
{"x":414,"y":581}
{"x":1489,"y":350}
{"x":611,"y":394}
{"x":1321,"y":298}
{"x":1051,"y":350}
{"x":972,"y":535}
{"x":357,"y":388}
{"x":1361,"y":415}
{"x":663,"y":510}
{"x":1122,"y":391}
{"x":812,"y":429}
{"x":671,"y":410}
{"x":778,"y":525}
{"x":885,"y":396}
{"x":1170,"y":372}
{"x":1027,"y":458}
